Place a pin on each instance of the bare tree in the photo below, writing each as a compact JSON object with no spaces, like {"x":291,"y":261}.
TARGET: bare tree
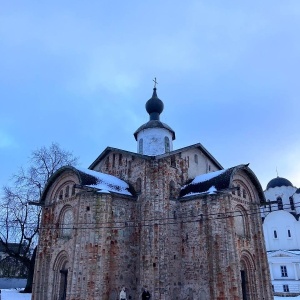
{"x":19,"y":222}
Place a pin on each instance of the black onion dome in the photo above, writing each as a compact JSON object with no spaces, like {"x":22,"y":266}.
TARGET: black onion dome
{"x":278,"y":182}
{"x":154,"y":106}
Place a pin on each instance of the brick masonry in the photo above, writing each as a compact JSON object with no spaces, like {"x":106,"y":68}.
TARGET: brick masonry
{"x":189,"y":248}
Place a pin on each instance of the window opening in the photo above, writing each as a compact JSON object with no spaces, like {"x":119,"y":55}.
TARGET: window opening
{"x":172,"y":189}
{"x":283,"y":271}
{"x":239,"y":190}
{"x":289,"y":233}
{"x":114,"y":157}
{"x":286,"y":288}
{"x":141,"y":146}
{"x":173,"y":163}
{"x":67,"y":192}
{"x":279,"y":203}
{"x":244,"y":193}
{"x":167,"y":144}
{"x":275,"y":234}
{"x":139,"y":185}
{"x":292,"y":203}
{"x":196,"y":158}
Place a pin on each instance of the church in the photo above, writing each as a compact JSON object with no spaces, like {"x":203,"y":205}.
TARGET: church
{"x":281,"y":227}
{"x":173,"y":221}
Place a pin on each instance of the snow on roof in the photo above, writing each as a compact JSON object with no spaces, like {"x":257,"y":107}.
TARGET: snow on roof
{"x":206,"y":177}
{"x":208,"y":183}
{"x":107,"y":183}
{"x":211,"y":191}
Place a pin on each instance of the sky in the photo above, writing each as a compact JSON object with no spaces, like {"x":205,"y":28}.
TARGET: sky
{"x":79,"y":73}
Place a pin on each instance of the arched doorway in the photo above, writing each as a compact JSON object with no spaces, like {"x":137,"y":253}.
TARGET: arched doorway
{"x":60,"y":268}
{"x":247,"y":277}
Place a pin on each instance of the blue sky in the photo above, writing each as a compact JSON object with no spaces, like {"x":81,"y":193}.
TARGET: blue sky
{"x":79,"y":73}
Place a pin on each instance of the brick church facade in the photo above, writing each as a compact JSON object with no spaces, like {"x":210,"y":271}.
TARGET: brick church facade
{"x":173,"y":221}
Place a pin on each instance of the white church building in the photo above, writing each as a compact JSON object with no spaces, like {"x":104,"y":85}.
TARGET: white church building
{"x":282,"y":235}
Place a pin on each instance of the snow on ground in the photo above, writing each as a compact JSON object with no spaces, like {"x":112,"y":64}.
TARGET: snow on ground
{"x":14,"y":294}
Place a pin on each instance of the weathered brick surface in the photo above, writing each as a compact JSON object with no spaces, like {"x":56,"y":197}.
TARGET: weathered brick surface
{"x":180,"y":249}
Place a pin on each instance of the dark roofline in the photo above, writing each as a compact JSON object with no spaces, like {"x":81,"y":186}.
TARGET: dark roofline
{"x":225,"y":185}
{"x":84,"y":179}
{"x":200,"y":147}
{"x":107,"y":150}
{"x":154,"y":124}
{"x":55,"y":176}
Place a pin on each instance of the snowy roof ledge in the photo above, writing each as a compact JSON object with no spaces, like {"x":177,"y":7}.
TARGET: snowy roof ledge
{"x":104,"y":183}
{"x":216,"y":182}
{"x":89,"y":179}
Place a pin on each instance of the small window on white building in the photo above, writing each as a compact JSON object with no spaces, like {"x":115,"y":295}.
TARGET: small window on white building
{"x":196,"y":158}
{"x":289,"y":233}
{"x":283,"y":271}
{"x":275,"y":234}
{"x":292,"y":203}
{"x":279,"y":203}
{"x":167,"y":144}
{"x":286,"y":288}
{"x":141,"y":146}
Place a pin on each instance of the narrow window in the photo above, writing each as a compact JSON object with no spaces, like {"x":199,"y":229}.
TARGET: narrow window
{"x":60,"y":195}
{"x":141,"y":146}
{"x":66,"y":223}
{"x":283,"y":271}
{"x":67,"y":192}
{"x":120,"y":159}
{"x":138,"y":185}
{"x":286,"y":288}
{"x":167,"y":144}
{"x":73,"y":190}
{"x":239,"y":221}
{"x":270,"y":207}
{"x":244,"y":193}
{"x":239,"y":191}
{"x":114,"y":157}
{"x":172,"y":189}
{"x":275,"y":234}
{"x":233,"y":191}
{"x":196,"y":158}
{"x":279,"y":203}
{"x":292,"y":203}
{"x":173,"y":163}
{"x":289,"y":233}
{"x":107,"y":163}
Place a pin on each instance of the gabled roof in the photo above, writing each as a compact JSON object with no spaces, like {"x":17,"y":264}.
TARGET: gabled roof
{"x":104,"y":183}
{"x":107,"y":150}
{"x":216,"y":182}
{"x":198,"y":146}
